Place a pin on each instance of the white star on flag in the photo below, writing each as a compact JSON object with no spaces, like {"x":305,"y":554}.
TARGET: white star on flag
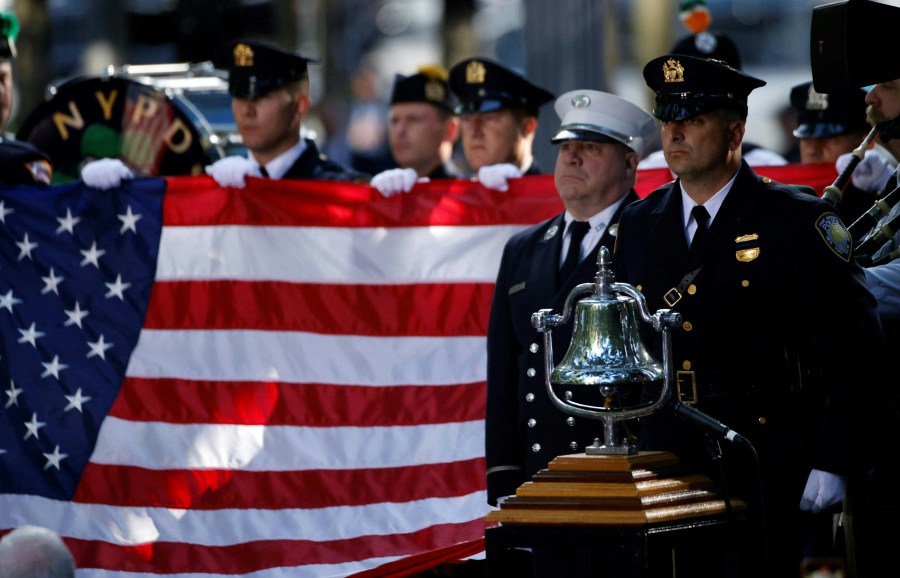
{"x":4,"y":211}
{"x":75,"y":315}
{"x":76,"y":401}
{"x":54,"y":458}
{"x":25,"y":247}
{"x":53,"y":368}
{"x":7,"y":301}
{"x":13,"y":394}
{"x":92,"y":255}
{"x":30,"y":335}
{"x":117,"y":289}
{"x":67,"y":223}
{"x":33,"y":426}
{"x":129,"y":221}
{"x":51,"y":283}
{"x":98,"y":347}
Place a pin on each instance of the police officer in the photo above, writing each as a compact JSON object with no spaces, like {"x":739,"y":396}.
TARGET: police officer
{"x":776,"y":316}
{"x":498,"y":111}
{"x":830,"y":126}
{"x":600,"y":141}
{"x":722,"y":48}
{"x":20,"y":162}
{"x":422,"y":130}
{"x":270,"y":96}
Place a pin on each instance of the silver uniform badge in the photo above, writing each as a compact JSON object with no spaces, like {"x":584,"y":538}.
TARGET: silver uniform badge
{"x":551,"y":232}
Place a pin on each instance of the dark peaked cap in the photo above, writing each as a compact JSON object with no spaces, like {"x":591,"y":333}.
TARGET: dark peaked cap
{"x":482,"y":85}
{"x":686,"y":86}
{"x":255,"y":69}
{"x":428,"y":85}
{"x":823,"y":115}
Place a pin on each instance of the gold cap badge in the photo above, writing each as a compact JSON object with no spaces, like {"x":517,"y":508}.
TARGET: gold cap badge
{"x":475,"y":72}
{"x":673,"y":71}
{"x":435,"y":91}
{"x":243,"y":55}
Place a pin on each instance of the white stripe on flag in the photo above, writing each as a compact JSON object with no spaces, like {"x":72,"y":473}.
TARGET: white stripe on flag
{"x":367,"y":256}
{"x":284,"y":448}
{"x":298,"y":357}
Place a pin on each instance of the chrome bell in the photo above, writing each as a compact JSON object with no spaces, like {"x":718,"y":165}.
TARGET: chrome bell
{"x":606,"y":368}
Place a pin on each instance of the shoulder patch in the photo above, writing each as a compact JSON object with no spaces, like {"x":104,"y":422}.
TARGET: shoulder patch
{"x":835,"y":235}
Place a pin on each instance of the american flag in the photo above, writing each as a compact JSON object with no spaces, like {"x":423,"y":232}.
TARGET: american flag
{"x":300,"y":394}
{"x":285,"y":380}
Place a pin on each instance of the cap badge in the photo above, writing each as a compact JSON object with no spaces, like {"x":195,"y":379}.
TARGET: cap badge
{"x":581,"y":101}
{"x":434,"y":91}
{"x":673,"y":71}
{"x":475,"y":72}
{"x":816,"y":100}
{"x":243,"y":55}
{"x":706,"y":42}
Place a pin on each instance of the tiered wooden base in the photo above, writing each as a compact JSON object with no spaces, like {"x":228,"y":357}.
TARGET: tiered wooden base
{"x":613,"y":490}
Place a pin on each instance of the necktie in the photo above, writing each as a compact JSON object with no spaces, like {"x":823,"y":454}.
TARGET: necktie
{"x":701,"y":215}
{"x":263,"y":171}
{"x":577,"y":231}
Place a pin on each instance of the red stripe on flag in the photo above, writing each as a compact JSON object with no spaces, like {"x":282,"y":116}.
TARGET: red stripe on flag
{"x":213,"y":489}
{"x":266,"y":202}
{"x":298,"y":404}
{"x":373,"y":310}
{"x":172,"y":558}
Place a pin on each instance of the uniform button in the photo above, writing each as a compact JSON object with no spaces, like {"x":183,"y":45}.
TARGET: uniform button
{"x":686,"y":365}
{"x":762,"y":420}
{"x":568,"y":396}
{"x":532,"y":422}
{"x":574,"y":445}
{"x":745,"y":283}
{"x":639,"y":287}
{"x":687,"y":325}
{"x":536,"y":448}
{"x":530,"y":372}
{"x":570,"y":420}
{"x":692,"y":289}
{"x":533,"y":348}
{"x":529,"y":397}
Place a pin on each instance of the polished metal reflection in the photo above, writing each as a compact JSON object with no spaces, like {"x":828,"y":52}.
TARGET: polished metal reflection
{"x":606,"y":368}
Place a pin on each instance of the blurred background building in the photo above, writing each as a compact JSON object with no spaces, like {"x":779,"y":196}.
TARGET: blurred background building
{"x":560,"y":45}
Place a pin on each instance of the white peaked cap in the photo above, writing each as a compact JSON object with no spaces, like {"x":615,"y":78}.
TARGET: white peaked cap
{"x":602,"y":117}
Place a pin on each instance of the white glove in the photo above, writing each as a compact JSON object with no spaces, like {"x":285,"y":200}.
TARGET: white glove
{"x":393,"y":181}
{"x":230,"y":171}
{"x":496,"y":176}
{"x":871,"y":174}
{"x":823,"y":490}
{"x":105,"y":173}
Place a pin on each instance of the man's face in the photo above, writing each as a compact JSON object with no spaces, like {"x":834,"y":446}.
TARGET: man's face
{"x":828,"y":149}
{"x":699,"y":144}
{"x":6,"y":91}
{"x":883,"y":102}
{"x":489,"y":138}
{"x":270,"y":124}
{"x":593,"y":175}
{"x":415,"y":133}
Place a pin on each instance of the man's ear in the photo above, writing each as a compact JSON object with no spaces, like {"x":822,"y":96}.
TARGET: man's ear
{"x":631,"y":162}
{"x":304,"y":104}
{"x":736,"y":134}
{"x":529,"y":125}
